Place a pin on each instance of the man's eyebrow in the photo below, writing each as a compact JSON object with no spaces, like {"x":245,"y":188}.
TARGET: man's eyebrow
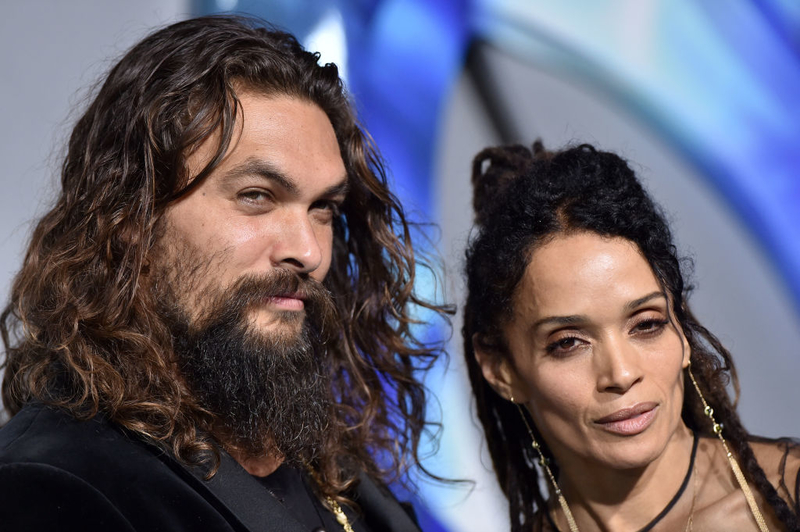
{"x":339,"y":189}
{"x":642,"y":300}
{"x":269,"y":172}
{"x":262,"y":169}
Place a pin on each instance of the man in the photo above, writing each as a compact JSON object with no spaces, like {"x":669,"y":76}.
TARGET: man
{"x":211,"y":328}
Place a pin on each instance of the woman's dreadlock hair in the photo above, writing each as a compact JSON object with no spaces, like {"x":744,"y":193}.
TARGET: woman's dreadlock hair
{"x":522,"y":197}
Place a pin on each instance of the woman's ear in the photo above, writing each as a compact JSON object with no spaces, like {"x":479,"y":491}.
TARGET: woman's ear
{"x":498,"y":371}
{"x":687,"y":351}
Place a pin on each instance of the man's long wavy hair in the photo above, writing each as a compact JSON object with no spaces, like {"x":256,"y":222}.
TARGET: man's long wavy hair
{"x":81,"y":331}
{"x":522,"y":198}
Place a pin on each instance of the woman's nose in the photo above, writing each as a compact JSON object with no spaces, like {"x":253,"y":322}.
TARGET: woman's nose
{"x":618,"y":366}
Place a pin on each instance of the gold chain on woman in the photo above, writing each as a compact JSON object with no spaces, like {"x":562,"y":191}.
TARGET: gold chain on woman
{"x":717,"y":428}
{"x":737,"y":471}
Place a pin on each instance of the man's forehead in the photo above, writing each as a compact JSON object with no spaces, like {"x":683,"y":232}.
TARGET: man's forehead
{"x":279,"y":139}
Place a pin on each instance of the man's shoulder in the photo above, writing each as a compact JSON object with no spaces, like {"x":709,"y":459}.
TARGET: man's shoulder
{"x":51,"y":436}
{"x":52,"y":463}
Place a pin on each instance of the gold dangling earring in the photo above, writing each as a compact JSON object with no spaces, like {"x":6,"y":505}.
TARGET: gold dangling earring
{"x":737,"y":471}
{"x":543,"y":461}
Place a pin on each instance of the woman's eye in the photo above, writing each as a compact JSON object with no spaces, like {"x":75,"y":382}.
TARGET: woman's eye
{"x":564,"y":345}
{"x":650,"y":326}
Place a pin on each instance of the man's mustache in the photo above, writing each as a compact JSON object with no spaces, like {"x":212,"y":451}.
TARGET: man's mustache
{"x":254,"y":291}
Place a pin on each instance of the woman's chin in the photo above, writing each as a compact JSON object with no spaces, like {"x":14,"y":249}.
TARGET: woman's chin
{"x":632,"y":453}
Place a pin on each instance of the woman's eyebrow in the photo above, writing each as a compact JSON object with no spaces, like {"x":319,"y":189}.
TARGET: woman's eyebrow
{"x":560,"y":320}
{"x":578,"y":319}
{"x":642,"y":300}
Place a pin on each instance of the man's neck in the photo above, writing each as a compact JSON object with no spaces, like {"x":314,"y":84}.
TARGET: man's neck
{"x":260,"y":466}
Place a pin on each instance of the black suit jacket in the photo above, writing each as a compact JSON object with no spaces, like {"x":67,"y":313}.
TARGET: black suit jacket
{"x":57,"y":473}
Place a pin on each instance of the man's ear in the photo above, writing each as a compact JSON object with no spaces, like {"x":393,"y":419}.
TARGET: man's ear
{"x":498,"y":371}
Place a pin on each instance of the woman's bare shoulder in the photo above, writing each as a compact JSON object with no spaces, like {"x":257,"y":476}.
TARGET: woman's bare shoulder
{"x":780,"y":460}
{"x":722,"y":500}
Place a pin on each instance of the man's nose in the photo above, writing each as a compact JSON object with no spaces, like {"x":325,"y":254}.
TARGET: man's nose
{"x":297,"y":245}
{"x":618,"y":366}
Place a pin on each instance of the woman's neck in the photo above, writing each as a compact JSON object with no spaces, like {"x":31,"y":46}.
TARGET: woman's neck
{"x":605,"y":498}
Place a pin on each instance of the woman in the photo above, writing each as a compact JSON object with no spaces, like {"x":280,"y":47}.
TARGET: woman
{"x":591,"y":374}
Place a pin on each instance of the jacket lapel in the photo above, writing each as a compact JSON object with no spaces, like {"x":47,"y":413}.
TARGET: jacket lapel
{"x":249,"y":507}
{"x":260,"y":512}
{"x":382,"y":510}
{"x":249,"y":500}
{"x":245,"y":503}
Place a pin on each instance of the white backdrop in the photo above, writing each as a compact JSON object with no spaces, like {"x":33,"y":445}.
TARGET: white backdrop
{"x":51,"y":53}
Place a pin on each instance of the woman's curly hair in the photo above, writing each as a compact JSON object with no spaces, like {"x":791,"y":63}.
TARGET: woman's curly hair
{"x":524,"y":197}
{"x":81,"y":331}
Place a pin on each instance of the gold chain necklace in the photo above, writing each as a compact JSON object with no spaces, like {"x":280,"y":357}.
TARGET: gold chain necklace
{"x":690,"y":522}
{"x":341,"y":518}
{"x":737,"y":471}
{"x":335,"y":508}
{"x":690,"y":473}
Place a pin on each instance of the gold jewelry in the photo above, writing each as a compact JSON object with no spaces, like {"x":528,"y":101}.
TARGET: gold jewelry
{"x":737,"y":471}
{"x":341,"y":517}
{"x":690,"y":523}
{"x":543,"y":461}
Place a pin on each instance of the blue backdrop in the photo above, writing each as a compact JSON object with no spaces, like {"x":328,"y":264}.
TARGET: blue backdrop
{"x":720,"y":83}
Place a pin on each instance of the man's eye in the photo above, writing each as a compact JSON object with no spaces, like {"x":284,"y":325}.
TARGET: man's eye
{"x":254,"y":196}
{"x":333,"y":207}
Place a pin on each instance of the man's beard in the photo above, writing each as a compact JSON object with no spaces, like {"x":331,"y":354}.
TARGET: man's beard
{"x":269,"y":390}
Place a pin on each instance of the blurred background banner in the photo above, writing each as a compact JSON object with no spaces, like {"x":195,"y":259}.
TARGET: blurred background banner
{"x":702,"y":97}
{"x":718,"y":84}
{"x":399,"y":60}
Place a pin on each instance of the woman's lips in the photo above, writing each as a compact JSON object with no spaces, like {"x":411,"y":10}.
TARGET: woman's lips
{"x":629,"y":421}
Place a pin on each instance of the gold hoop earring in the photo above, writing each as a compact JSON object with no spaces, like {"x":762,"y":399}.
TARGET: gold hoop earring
{"x":737,"y":471}
{"x":544,"y":462}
